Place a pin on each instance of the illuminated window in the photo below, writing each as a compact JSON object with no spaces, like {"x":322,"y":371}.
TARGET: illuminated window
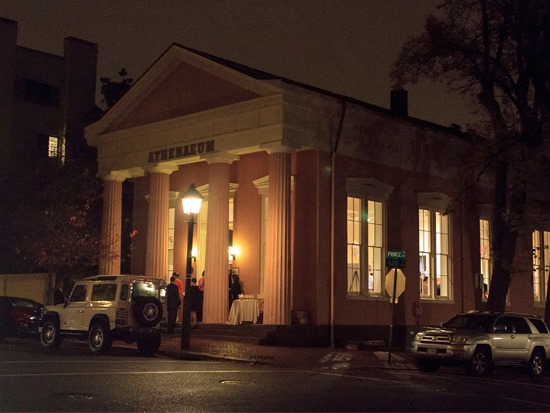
{"x":365,"y":231}
{"x":541,"y":265}
{"x":56,"y":148}
{"x":434,"y":254}
{"x":485,"y":256}
{"x":171,"y":226}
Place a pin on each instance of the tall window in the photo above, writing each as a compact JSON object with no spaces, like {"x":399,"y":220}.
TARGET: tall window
{"x":171,"y":225}
{"x":434,"y":254}
{"x":365,"y":229}
{"x":541,"y":265}
{"x":485,"y":256}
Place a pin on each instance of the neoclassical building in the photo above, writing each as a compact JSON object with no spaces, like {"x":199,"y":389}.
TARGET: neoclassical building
{"x":309,"y":189}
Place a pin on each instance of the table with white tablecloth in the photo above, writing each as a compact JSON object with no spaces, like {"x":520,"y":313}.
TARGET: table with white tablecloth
{"x":243,"y":310}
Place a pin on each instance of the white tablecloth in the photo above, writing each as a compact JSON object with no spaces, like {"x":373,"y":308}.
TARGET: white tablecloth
{"x":243,"y":310}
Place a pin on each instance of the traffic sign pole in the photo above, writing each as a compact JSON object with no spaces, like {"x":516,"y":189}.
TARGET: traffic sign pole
{"x":391,"y":321}
{"x":394,"y":259}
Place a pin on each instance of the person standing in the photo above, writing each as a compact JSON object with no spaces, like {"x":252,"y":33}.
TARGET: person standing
{"x":179,"y":283}
{"x":173,"y":302}
{"x":194,"y":301}
{"x":201,"y":297}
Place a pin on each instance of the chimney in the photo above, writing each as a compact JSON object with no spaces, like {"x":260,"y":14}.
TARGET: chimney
{"x":399,"y":102}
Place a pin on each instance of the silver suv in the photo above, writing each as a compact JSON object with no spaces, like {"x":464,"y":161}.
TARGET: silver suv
{"x":480,"y":340}
{"x":106,"y":308}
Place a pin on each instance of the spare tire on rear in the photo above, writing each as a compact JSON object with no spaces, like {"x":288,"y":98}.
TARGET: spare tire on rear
{"x":148,"y":311}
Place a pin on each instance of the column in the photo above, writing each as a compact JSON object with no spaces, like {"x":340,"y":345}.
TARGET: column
{"x":111,"y":227}
{"x":277,"y":265}
{"x":156,"y":258}
{"x":216,"y":291}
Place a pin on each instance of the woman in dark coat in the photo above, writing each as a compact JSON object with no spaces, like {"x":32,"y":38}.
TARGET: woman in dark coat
{"x":235,"y":287}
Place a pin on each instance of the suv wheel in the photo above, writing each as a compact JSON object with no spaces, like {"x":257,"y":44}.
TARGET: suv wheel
{"x":427,"y":365}
{"x":99,"y":338}
{"x":50,"y":335}
{"x":537,"y":364}
{"x":481,"y":363}
{"x":148,"y":311}
{"x":147,"y":347}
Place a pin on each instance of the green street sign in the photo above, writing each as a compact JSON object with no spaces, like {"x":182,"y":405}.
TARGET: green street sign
{"x":396,"y":259}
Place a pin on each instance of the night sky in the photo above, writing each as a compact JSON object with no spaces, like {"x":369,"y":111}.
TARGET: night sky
{"x":344,"y":46}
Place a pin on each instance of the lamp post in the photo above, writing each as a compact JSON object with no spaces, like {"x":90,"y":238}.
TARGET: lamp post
{"x":191,"y":201}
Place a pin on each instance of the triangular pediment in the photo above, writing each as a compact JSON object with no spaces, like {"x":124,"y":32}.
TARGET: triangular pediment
{"x":180,"y":83}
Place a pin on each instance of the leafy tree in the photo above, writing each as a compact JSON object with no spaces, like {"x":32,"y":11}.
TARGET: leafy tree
{"x":498,"y":52}
{"x":60,"y":229}
{"x":112,"y":90}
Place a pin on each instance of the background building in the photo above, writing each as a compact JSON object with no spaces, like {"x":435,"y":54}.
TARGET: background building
{"x":45,"y":101}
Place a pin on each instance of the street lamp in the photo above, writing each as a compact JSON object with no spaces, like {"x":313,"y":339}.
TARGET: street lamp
{"x":192,"y":201}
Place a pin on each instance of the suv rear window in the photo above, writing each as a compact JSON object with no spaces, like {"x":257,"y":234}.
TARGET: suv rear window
{"x":144,"y":289}
{"x":539,"y":324}
{"x":470,"y":322}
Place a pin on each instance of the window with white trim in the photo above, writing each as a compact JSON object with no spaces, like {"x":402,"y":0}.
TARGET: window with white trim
{"x":365,"y":236}
{"x":541,"y":265}
{"x":434,"y":254}
{"x":485,"y":256}
{"x":171,"y":226}
{"x":365,"y":246}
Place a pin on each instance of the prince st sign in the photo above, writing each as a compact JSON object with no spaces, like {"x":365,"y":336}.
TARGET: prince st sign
{"x":396,"y":259}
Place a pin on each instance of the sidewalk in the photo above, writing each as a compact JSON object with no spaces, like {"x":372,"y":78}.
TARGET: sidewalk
{"x":308,"y":358}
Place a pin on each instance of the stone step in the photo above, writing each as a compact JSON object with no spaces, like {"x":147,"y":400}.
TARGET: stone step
{"x":248,"y":332}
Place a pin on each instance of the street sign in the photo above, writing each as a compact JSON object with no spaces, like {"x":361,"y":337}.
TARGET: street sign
{"x":395,"y":282}
{"x":396,"y":259}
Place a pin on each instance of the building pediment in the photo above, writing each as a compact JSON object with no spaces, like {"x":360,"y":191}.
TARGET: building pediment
{"x":179,"y":83}
{"x":185,"y":107}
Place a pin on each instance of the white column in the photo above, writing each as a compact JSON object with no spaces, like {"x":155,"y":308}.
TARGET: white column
{"x":277,"y":265}
{"x":156,"y":259}
{"x":111,"y":226}
{"x":216,"y":291}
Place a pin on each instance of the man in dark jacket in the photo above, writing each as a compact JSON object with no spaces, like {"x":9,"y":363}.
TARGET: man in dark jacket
{"x":173,"y":302}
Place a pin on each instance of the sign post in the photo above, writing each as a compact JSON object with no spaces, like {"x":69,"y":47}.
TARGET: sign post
{"x":395,"y":285}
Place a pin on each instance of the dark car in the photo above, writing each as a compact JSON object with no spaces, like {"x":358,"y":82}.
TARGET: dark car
{"x":19,"y":317}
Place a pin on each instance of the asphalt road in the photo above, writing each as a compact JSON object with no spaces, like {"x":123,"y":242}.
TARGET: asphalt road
{"x":72,"y":379}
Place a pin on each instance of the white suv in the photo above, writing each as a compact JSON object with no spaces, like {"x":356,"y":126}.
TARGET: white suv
{"x":104,"y":308}
{"x":480,"y":340}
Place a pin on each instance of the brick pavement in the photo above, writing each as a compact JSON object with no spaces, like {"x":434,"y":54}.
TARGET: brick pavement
{"x":310,"y":358}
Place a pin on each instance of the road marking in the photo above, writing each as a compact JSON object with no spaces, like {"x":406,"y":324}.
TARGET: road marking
{"x":141,"y":361}
{"x":119,"y":373}
{"x":526,"y":401}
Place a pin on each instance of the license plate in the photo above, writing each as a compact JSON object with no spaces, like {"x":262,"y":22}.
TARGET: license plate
{"x":432,"y":351}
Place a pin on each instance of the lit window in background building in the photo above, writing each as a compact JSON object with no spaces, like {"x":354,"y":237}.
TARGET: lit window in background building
{"x":53,"y":145}
{"x":541,"y":265}
{"x":56,"y":148}
{"x":365,"y":246}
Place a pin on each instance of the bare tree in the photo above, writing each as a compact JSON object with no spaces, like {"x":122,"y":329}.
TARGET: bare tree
{"x":497,"y":51}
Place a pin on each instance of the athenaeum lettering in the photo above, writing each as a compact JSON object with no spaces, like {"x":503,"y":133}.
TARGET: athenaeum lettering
{"x":181,"y":151}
